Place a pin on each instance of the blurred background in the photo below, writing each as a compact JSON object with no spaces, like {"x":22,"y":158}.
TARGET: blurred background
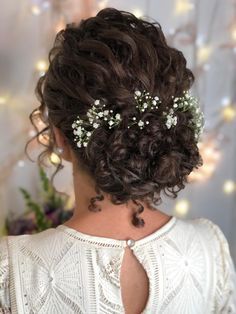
{"x":206,"y":33}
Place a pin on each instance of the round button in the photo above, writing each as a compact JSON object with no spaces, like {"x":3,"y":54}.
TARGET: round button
{"x":130,"y":242}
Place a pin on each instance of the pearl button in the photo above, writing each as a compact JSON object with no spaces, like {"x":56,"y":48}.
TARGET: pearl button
{"x":130,"y":242}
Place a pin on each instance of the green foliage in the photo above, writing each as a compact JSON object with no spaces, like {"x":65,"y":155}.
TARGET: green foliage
{"x":41,"y":221}
{"x":47,"y":213}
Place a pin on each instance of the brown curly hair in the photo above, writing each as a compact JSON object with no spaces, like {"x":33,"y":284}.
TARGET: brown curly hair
{"x":108,"y":57}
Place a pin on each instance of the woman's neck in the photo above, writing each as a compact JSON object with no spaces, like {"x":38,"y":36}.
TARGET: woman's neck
{"x":113,"y":220}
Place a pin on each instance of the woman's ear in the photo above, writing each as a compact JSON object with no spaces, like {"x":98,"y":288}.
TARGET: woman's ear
{"x":62,"y":144}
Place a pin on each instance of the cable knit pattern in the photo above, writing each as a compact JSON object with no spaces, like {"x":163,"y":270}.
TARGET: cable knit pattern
{"x":61,"y":270}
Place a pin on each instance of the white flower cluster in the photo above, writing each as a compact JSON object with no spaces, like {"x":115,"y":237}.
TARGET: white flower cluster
{"x":187,"y":103}
{"x":95,"y":116}
{"x":170,"y":118}
{"x":144,"y":102}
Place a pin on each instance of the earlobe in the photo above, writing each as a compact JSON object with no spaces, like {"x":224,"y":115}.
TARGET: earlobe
{"x":62,"y":147}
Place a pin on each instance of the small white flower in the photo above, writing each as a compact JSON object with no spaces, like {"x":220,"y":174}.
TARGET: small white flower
{"x":168,"y":123}
{"x":100,"y":114}
{"x":154,"y":102}
{"x":78,"y":144}
{"x":134,"y":118}
{"x":97,"y":102}
{"x":106,"y":112}
{"x":147,"y":122}
{"x":79,"y":131}
{"x":118,"y":116}
{"x":89,"y":133}
{"x":110,"y":122}
{"x":85,"y":144}
{"x":145,"y":105}
{"x":156,"y":98}
{"x":137,"y":93}
{"x":74,"y":125}
{"x":140,"y":123}
{"x":95,"y":125}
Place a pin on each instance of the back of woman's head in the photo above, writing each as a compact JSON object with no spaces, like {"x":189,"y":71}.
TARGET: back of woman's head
{"x":108,"y":57}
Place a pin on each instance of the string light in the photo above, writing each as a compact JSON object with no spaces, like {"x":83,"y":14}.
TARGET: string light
{"x":206,"y":67}
{"x":35,"y":9}
{"x":183,"y":6}
{"x":204,"y":53}
{"x":228,"y":113}
{"x":138,"y":13}
{"x":229,"y":187}
{"x":225,"y":101}
{"x":21,"y":163}
{"x":46,"y":4}
{"x":211,"y":156}
{"x":233,"y":32}
{"x":41,"y":65}
{"x":60,"y":24}
{"x":182,"y":207}
{"x":3,"y":100}
{"x":102,"y":4}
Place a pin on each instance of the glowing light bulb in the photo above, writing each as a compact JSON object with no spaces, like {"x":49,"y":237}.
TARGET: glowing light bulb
{"x":35,"y":10}
{"x":206,"y":67}
{"x":21,"y":163}
{"x":54,"y":158}
{"x":200,"y":40}
{"x":204,"y":53}
{"x":182,"y":207}
{"x":138,"y":13}
{"x":102,"y":4}
{"x":3,"y":100}
{"x":41,"y":65}
{"x":229,"y":186}
{"x":233,"y":32}
{"x":225,"y":101}
{"x":229,"y":113}
{"x":211,"y":156}
{"x":183,"y":6}
{"x":60,"y":25}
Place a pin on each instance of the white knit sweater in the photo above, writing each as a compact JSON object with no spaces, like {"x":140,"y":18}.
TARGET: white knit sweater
{"x":61,"y":270}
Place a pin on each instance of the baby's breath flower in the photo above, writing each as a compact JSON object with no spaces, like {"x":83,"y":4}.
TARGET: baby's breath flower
{"x":140,"y":123}
{"x":187,"y":103}
{"x":96,"y":115}
{"x":95,"y":125}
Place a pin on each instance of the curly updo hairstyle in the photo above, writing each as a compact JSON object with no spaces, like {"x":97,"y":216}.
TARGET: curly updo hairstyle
{"x":108,"y":57}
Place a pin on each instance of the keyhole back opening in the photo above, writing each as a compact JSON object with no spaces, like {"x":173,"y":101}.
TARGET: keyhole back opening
{"x":134,"y":284}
